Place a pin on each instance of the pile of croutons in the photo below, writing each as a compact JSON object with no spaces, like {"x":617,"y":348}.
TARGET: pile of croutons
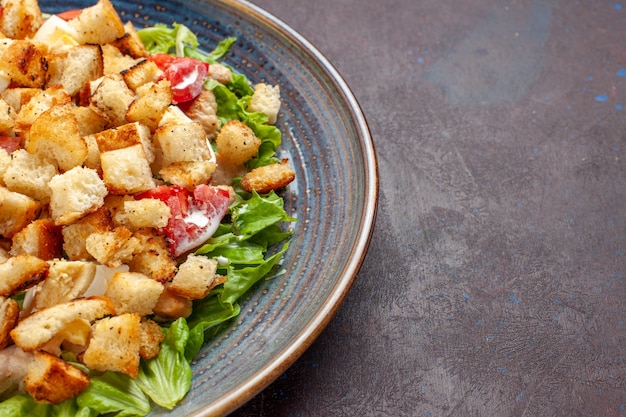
{"x":86,"y":123}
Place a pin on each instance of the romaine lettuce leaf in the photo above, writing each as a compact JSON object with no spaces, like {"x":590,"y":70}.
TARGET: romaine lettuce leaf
{"x":114,"y":393}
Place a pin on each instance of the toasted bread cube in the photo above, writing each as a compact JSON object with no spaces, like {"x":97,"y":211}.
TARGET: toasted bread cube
{"x":21,"y":272}
{"x":181,"y":142}
{"x":20,"y":19}
{"x":143,"y":72}
{"x":37,"y":104}
{"x":5,"y":161}
{"x":19,"y":96}
{"x":127,"y":170}
{"x":154,"y":259}
{"x":115,"y":345}
{"x":268,"y":178}
{"x":29,"y":174}
{"x":41,"y":238}
{"x":203,"y":109}
{"x":152,"y":102}
{"x":24,"y":63}
{"x":133,"y":292}
{"x":80,"y":65}
{"x":130,"y":43}
{"x":266,"y":99}
{"x":124,"y":136}
{"x":147,"y":212}
{"x":171,"y":306}
{"x":54,"y":136}
{"x":237,"y":142}
{"x":112,"y":248}
{"x":195,"y":277}
{"x":66,"y":281}
{"x":151,"y":338}
{"x":51,"y":380}
{"x":40,"y":327}
{"x":98,"y":24}
{"x":115,"y":62}
{"x":9,"y":314}
{"x":112,"y":97}
{"x":188,"y":174}
{"x":7,"y":118}
{"x":16,"y":211}
{"x":75,"y":234}
{"x":89,"y":120}
{"x":75,"y":193}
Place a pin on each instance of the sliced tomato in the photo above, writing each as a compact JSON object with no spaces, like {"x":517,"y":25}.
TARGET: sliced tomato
{"x":69,"y":14}
{"x":195,"y":216}
{"x":10,"y":143}
{"x":186,"y":75}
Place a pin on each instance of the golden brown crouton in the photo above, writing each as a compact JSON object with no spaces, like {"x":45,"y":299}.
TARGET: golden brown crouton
{"x":188,"y":174}
{"x":89,"y":120}
{"x":171,"y":306}
{"x":237,"y":142}
{"x":115,"y":345}
{"x":112,"y":98}
{"x":102,"y":16}
{"x":19,"y":96}
{"x":29,"y":174}
{"x":75,"y":234}
{"x":24,"y":63}
{"x":132,"y":292}
{"x":7,"y":118}
{"x":266,"y":99}
{"x":126,"y":170}
{"x":40,"y":327}
{"x":51,"y":380}
{"x":267,"y":178}
{"x":81,"y":64}
{"x":41,"y":238}
{"x":9,"y":313}
{"x":66,"y":281}
{"x":16,"y":211}
{"x":180,"y":142}
{"x":124,"y":136}
{"x":115,"y":62}
{"x":143,"y":72}
{"x":195,"y":277}
{"x":153,"y":99}
{"x":130,"y":43}
{"x":154,"y":258}
{"x":20,"y":18}
{"x":75,"y":193}
{"x":147,"y":212}
{"x":112,"y":248}
{"x":151,"y":338}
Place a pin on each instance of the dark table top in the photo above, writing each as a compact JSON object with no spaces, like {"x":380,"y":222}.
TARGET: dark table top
{"x":494,"y":284}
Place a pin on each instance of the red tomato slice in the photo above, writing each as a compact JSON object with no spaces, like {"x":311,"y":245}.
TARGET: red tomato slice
{"x":10,"y":143}
{"x":69,"y":14}
{"x":186,"y":75}
{"x":195,"y":216}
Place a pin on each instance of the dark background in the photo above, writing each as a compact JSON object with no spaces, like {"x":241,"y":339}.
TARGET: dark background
{"x":494,"y":284}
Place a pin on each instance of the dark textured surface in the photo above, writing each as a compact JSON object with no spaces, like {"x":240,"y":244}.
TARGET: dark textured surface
{"x":494,"y":284}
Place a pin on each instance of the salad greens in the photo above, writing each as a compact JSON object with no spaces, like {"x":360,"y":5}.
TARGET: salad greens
{"x":242,"y":245}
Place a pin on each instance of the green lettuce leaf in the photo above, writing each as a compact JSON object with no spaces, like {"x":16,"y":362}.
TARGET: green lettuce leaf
{"x":257,"y":213}
{"x":163,"y":39}
{"x":114,"y":393}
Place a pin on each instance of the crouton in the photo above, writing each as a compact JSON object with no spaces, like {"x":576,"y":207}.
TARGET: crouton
{"x":268,"y":178}
{"x":7,"y":118}
{"x":124,"y":136}
{"x":143,"y":72}
{"x":66,"y":281}
{"x":75,"y":234}
{"x":195,"y":277}
{"x":81,"y":64}
{"x":75,"y":193}
{"x":115,"y":345}
{"x":89,"y":120}
{"x":115,"y":62}
{"x":203,"y":109}
{"x":266,"y":99}
{"x":33,"y":103}
{"x":153,"y":99}
{"x":154,"y":259}
{"x":181,"y":142}
{"x":112,"y":248}
{"x":16,"y":211}
{"x":51,"y":380}
{"x":35,"y":330}
{"x":21,"y":272}
{"x":151,"y":338}
{"x":20,"y":19}
{"x":237,"y":142}
{"x":19,"y":96}
{"x":133,"y":292}
{"x":112,"y":98}
{"x":171,"y":306}
{"x":102,"y":16}
{"x":147,"y":212}
{"x":54,"y":136}
{"x":127,"y":170}
{"x":24,"y":63}
{"x":130,"y":43}
{"x":29,"y":174}
{"x":188,"y":174}
{"x":5,"y":161}
{"x":9,"y":313}
{"x":41,"y":238}
{"x":115,"y":205}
